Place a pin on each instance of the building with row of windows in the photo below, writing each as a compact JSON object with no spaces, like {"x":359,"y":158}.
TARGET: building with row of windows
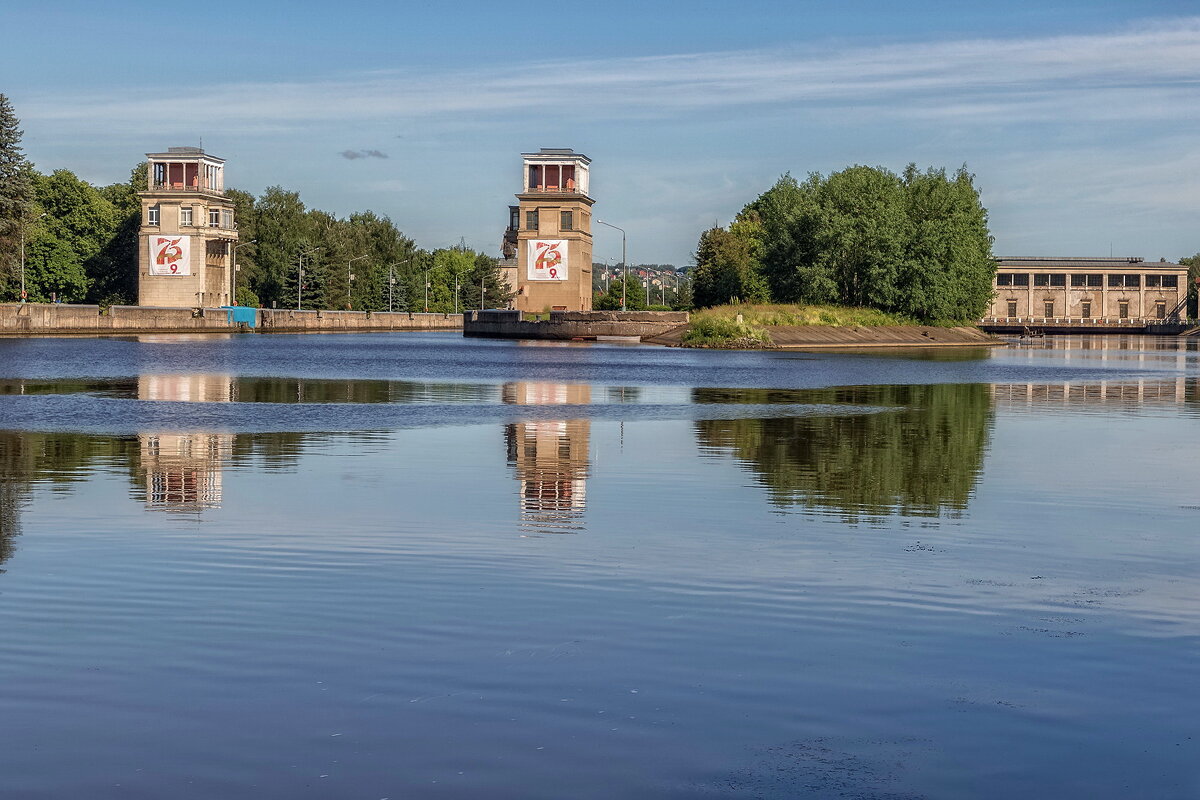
{"x":547,"y":247}
{"x":188,"y":232}
{"x":1041,"y":290}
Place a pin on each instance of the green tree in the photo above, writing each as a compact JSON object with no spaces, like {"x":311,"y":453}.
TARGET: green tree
{"x":1193,"y":265}
{"x":486,"y":275}
{"x":727,"y":264}
{"x":948,"y":266}
{"x":635,"y":296}
{"x":247,"y":273}
{"x":861,"y":235}
{"x":283,"y":234}
{"x":16,"y":195}
{"x":916,"y":245}
{"x":451,"y":267}
{"x":73,"y":242}
{"x":112,"y":274}
{"x":789,"y":216}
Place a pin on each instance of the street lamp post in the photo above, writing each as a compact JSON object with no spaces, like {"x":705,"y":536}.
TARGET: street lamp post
{"x":350,"y":280}
{"x":233,"y":271}
{"x":23,"y":255}
{"x":624,"y":266}
{"x":392,"y":282}
{"x":300,"y":278}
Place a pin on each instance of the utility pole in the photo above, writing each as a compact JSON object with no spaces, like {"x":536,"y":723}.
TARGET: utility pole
{"x":624,"y":266}
{"x":300,"y":278}
{"x":233,"y":271}
{"x":350,"y":280}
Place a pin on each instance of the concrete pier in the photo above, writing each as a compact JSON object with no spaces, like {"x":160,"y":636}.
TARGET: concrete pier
{"x":572,"y":324}
{"x":35,"y":319}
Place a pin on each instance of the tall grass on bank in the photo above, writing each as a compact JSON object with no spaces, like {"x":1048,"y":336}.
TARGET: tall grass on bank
{"x":714,"y":331}
{"x":770,"y":316}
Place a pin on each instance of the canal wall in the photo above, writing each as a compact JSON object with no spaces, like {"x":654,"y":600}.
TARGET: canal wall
{"x":568,"y":325}
{"x":35,"y":319}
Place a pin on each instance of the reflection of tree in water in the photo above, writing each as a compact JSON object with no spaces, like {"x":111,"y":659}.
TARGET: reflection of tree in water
{"x":921,"y":459}
{"x":57,"y":461}
{"x":54,"y":459}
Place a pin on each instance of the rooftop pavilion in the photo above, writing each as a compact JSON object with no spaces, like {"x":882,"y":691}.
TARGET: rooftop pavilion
{"x":185,"y":169}
{"x":556,"y":170}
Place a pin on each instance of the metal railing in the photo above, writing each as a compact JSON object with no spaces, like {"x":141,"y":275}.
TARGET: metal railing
{"x":1087,"y":321}
{"x":183,"y":187}
{"x":572,"y":189}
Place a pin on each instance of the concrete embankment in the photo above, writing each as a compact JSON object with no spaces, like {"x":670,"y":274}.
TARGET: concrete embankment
{"x":805,"y":337}
{"x":33,"y":319}
{"x":568,"y":325}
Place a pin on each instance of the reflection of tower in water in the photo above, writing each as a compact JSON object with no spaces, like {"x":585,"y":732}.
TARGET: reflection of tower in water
{"x":550,"y":457}
{"x":183,"y":470}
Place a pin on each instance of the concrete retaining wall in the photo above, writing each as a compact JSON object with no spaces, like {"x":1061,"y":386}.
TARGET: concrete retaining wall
{"x":291,"y":321}
{"x":32,"y":319}
{"x":572,"y":324}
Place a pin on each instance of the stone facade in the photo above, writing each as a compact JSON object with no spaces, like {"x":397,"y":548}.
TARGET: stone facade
{"x":188,"y":232}
{"x":553,"y":219}
{"x":1112,"y":289}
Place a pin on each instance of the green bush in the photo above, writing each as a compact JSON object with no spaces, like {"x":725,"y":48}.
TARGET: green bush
{"x":723,"y":331}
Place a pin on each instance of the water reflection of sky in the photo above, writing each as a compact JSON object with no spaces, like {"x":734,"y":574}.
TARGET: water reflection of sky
{"x":834,"y":582}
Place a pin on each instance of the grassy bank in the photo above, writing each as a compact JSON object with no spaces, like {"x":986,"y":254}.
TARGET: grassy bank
{"x":770,"y":316}
{"x":720,"y":326}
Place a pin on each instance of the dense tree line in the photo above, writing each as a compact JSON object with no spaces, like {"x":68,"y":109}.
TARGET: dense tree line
{"x":915,"y":244}
{"x":80,"y":245}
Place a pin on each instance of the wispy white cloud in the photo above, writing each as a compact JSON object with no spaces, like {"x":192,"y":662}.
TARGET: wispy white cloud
{"x":1152,"y":71}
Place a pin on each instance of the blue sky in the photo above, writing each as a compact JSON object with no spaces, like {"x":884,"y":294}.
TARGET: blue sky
{"x":1079,"y":119}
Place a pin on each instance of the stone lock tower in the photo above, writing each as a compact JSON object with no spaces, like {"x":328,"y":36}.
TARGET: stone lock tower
{"x":554,"y":233}
{"x":188,"y":233}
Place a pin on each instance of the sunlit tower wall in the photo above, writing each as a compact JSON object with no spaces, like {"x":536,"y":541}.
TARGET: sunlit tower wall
{"x":554,"y":235}
{"x":188,"y":231}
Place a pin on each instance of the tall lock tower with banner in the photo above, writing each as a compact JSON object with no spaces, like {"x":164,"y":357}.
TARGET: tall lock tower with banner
{"x":554,"y":233}
{"x":187,"y":236}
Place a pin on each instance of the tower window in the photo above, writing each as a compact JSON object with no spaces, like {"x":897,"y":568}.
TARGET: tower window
{"x":214,"y":218}
{"x":566,"y":221}
{"x":185,"y":215}
{"x":152,"y":215}
{"x":531,"y":220}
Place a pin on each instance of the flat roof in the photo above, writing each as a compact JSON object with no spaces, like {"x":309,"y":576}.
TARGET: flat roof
{"x":183,"y":153}
{"x":1082,"y":262}
{"x":556,"y":154}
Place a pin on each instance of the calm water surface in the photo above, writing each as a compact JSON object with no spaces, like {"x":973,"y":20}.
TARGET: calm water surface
{"x":417,"y":566}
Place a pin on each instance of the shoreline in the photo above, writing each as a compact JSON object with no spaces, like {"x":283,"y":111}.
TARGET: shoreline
{"x":827,"y":337}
